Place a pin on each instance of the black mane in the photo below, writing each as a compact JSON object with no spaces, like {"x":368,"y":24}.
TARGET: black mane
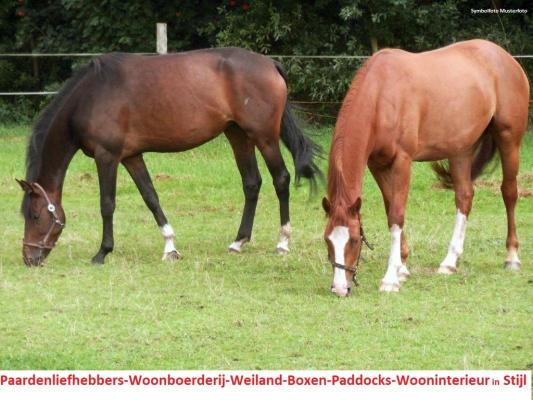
{"x":105,"y":68}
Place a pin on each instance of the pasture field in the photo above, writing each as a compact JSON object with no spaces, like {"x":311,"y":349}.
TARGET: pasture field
{"x":258,"y":310}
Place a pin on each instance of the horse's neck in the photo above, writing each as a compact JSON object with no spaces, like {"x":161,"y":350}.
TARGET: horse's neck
{"x":57,"y":153}
{"x":349,"y":159}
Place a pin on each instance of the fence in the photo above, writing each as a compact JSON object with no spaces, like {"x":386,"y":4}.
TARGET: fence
{"x":161,"y":48}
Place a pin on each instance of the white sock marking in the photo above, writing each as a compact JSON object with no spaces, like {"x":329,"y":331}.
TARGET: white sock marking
{"x":339,"y":236}
{"x":168,"y":234}
{"x":395,"y":257}
{"x":403,"y":272}
{"x":512,"y":256}
{"x":236,"y":246}
{"x":284,"y":237}
{"x":455,"y":249}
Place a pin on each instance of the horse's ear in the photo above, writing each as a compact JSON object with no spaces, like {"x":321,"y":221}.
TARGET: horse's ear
{"x":26,"y":186}
{"x":354,"y":209}
{"x":326,"y":205}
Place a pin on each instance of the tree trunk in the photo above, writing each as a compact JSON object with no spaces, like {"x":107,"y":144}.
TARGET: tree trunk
{"x":374,"y":43}
{"x":496,"y":4}
{"x":35,"y":61}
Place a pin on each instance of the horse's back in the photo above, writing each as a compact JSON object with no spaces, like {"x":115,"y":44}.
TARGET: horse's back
{"x":449,"y":93}
{"x":178,"y":101}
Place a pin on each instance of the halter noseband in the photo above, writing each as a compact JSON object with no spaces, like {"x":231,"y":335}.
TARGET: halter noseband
{"x":51,"y":208}
{"x":353,"y":269}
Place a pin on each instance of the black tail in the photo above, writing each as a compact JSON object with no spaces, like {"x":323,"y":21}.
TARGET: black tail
{"x":485,"y":153}
{"x":303,"y":149}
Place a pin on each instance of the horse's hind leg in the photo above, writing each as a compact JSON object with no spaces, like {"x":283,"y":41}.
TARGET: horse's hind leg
{"x":281,"y":179}
{"x":106,"y":165}
{"x":460,"y":169}
{"x":510,"y":158}
{"x":139,"y":173}
{"x":244,"y":151}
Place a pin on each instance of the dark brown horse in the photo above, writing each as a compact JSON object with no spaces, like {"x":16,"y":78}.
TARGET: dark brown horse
{"x":120,"y":106}
{"x":460,"y":103}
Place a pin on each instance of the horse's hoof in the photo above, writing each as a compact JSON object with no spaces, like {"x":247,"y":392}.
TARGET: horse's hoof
{"x":446,"y":270}
{"x":512,"y":265}
{"x":389,"y":287}
{"x":282,"y":250}
{"x":403,"y":274}
{"x":236,"y":246}
{"x":97,"y":260}
{"x":173,"y":255}
{"x":234,"y":249}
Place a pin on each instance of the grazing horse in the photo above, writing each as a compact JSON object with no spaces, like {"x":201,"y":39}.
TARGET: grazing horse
{"x":122,"y":105}
{"x":460,"y":103}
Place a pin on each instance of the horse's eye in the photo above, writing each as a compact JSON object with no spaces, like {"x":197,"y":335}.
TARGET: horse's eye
{"x":35,"y":217}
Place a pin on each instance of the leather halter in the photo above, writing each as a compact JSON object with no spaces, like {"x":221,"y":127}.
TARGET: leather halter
{"x":354,"y":269}
{"x":51,"y":208}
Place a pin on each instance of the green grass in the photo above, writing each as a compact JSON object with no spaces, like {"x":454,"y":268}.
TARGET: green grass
{"x":257,"y":310}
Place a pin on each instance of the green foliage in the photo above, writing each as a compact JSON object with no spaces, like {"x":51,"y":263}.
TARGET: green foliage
{"x":19,"y":110}
{"x":274,"y":27}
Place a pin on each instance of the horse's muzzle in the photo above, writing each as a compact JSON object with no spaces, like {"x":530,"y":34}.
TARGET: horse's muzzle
{"x":34,"y":258}
{"x":341,"y":291}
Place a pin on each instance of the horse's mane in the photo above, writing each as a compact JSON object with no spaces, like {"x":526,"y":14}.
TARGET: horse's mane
{"x":105,"y":67}
{"x":337,"y":188}
{"x":336,"y":183}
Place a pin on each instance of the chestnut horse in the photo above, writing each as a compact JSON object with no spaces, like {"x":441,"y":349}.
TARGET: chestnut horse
{"x":460,"y":103}
{"x":122,"y":105}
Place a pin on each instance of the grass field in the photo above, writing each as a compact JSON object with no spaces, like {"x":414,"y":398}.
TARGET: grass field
{"x":257,"y":310}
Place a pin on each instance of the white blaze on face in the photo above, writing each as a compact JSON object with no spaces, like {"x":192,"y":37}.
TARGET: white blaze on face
{"x":338,"y":237}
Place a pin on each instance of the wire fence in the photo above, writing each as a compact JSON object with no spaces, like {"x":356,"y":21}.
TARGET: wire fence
{"x":277,"y":56}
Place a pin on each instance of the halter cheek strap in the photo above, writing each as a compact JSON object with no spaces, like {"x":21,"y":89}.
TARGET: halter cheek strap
{"x":51,"y":208}
{"x":353,"y":269}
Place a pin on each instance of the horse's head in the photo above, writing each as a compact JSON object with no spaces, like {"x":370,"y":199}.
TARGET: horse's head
{"x":44,"y":221}
{"x":343,"y":236}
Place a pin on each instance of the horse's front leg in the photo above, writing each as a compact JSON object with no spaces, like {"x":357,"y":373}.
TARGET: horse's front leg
{"x":383,"y":178}
{"x":139,"y":173}
{"x":106,"y":165}
{"x":399,"y":174}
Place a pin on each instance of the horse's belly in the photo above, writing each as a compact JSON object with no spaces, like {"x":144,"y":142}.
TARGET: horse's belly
{"x":452,"y":128}
{"x":439,"y":151}
{"x":442,"y":142}
{"x":172,"y":140}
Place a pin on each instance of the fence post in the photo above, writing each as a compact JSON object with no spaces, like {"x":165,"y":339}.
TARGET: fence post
{"x":161,"y":44}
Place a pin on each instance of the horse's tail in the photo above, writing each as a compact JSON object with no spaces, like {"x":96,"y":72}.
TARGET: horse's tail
{"x":303,"y":149}
{"x":484,"y":154}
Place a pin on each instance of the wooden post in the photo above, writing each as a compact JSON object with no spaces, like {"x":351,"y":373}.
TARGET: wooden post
{"x":161,"y":45}
{"x":374,"y":44}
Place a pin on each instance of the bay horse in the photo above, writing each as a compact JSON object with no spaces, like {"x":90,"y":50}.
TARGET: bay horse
{"x":459,"y":103}
{"x":122,"y":105}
